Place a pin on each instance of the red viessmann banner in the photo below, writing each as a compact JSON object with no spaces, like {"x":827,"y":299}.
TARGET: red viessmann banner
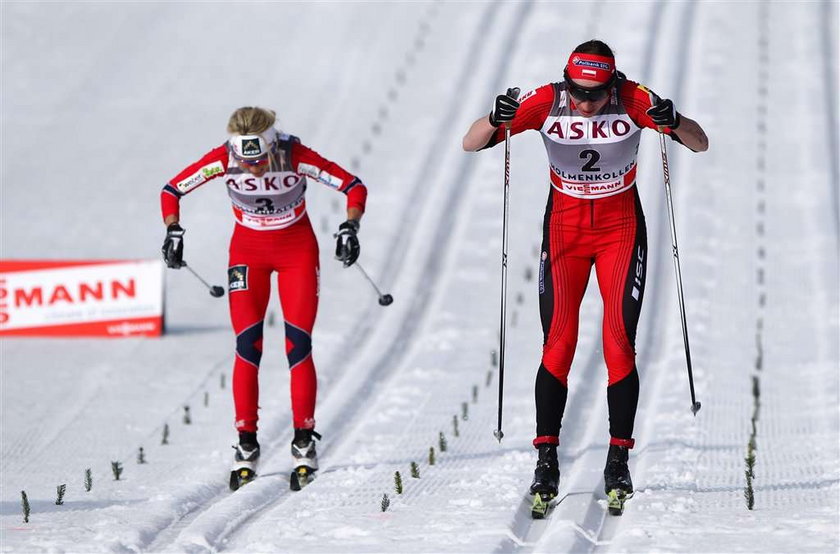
{"x":114,"y":298}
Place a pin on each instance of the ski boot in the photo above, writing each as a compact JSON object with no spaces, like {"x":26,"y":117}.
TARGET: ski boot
{"x":244,"y":460}
{"x":617,"y":482}
{"x":546,"y":476}
{"x":304,"y":458}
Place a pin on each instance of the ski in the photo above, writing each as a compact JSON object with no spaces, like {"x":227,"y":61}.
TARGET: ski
{"x":615,"y":501}
{"x":541,"y":505}
{"x":241,"y":476}
{"x":301,"y":477}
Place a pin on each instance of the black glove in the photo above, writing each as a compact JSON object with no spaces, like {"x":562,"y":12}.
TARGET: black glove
{"x":347,"y":244}
{"x":504,"y":108}
{"x":173,"y":246}
{"x":664,"y":114}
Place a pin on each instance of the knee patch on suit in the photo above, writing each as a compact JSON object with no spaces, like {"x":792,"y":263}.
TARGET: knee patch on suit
{"x":249,"y":344}
{"x":298,"y":345}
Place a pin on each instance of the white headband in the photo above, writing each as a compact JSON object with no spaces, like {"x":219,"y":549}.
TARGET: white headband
{"x":249,"y":147}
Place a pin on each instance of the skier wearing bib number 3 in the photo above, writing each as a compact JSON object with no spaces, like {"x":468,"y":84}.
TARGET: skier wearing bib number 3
{"x":590,"y":123}
{"x":265,"y":173}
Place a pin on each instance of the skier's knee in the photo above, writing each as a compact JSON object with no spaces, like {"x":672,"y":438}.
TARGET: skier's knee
{"x":298,"y":344}
{"x":249,"y":344}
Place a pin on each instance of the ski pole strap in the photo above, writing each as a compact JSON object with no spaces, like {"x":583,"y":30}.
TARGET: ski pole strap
{"x":546,"y":439}
{"x":626,"y":443}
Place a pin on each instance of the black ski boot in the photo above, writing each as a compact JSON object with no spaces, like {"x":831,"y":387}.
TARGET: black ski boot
{"x":617,"y":482}
{"x":245,"y":458}
{"x":546,"y":476}
{"x":304,"y":458}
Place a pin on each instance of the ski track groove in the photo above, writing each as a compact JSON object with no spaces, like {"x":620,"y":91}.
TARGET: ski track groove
{"x":829,"y":18}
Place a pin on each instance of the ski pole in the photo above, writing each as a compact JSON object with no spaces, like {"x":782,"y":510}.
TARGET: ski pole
{"x":695,"y":405}
{"x":513,"y":93}
{"x":215,"y":290}
{"x":384,"y":299}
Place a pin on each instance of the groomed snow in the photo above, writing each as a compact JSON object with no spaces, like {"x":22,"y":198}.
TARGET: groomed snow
{"x":103,"y":102}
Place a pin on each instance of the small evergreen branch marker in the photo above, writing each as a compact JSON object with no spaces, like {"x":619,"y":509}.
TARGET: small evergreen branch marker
{"x":222,"y":380}
{"x":494,"y":359}
{"x":385,"y":502}
{"x":187,"y":417}
{"x":117,"y":469}
{"x":431,"y":455}
{"x":141,"y":456}
{"x":475,"y":394}
{"x":465,"y":411}
{"x":441,"y":442}
{"x":415,"y":470}
{"x":165,"y":438}
{"x":489,"y":378}
{"x":88,"y":480}
{"x":398,"y":486}
{"x":455,"y":426}
{"x":206,"y":399}
{"x":24,"y":502}
{"x":749,"y":473}
{"x":59,"y":494}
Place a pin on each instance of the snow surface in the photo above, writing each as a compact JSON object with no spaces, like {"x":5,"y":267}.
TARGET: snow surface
{"x":102,"y":102}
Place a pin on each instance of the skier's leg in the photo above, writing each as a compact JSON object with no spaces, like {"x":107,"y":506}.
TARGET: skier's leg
{"x":621,"y":271}
{"x":562,"y":283}
{"x":298,"y":282}
{"x":249,"y":289}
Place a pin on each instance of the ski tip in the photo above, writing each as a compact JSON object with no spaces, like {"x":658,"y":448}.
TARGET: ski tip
{"x":540,"y":505}
{"x":615,"y":501}
{"x":300,"y":478}
{"x":240,"y":477}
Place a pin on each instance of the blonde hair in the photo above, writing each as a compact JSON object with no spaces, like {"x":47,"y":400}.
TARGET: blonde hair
{"x":251,"y":121}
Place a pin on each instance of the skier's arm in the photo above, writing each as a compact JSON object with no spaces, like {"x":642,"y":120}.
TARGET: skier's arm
{"x":527,"y":112}
{"x":478,"y":135}
{"x":306,"y":161}
{"x":691,"y":134}
{"x":211,"y":165}
{"x":647,"y":109}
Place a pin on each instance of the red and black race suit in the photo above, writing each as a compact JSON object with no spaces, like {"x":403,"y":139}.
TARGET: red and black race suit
{"x":593,"y":218}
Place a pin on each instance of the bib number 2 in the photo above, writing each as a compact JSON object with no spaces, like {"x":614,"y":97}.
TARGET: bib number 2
{"x":592,"y":157}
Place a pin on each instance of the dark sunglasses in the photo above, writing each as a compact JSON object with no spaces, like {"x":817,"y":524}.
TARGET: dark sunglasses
{"x":587,"y":94}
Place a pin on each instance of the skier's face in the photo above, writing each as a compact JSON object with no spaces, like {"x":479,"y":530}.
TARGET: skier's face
{"x":591,"y":103}
{"x":257,"y":168}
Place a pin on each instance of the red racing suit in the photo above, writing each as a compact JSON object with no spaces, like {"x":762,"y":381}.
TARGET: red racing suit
{"x":272,"y":234}
{"x":593,"y":217}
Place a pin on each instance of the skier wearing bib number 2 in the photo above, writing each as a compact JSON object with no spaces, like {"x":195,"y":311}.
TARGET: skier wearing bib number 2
{"x":265,"y":173}
{"x":590,"y":123}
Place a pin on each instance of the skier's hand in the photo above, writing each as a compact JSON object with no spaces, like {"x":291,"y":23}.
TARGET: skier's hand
{"x":173,"y":246}
{"x":347,"y":243}
{"x":664,"y":114}
{"x":504,"y":108}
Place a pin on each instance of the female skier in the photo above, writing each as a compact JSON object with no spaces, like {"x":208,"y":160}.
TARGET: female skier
{"x":590,"y":123}
{"x":265,"y":172}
